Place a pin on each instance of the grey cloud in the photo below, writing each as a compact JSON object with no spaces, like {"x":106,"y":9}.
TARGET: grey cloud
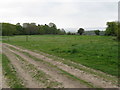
{"x":64,"y":13}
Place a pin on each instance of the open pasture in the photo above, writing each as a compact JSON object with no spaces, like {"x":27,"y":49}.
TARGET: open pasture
{"x":97,"y":52}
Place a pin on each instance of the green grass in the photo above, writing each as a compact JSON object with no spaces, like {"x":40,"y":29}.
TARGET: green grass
{"x":97,"y":52}
{"x":10,"y":73}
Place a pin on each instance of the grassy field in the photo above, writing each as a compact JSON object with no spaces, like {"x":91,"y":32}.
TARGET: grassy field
{"x":98,"y":52}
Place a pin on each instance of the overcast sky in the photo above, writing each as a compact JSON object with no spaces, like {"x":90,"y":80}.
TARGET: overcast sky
{"x":64,"y":13}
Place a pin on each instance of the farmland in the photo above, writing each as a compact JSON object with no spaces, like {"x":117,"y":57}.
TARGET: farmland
{"x":95,"y":53}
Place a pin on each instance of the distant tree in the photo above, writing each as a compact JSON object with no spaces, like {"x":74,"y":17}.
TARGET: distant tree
{"x":30,"y":28}
{"x":53,"y":28}
{"x":8,"y":29}
{"x":111,"y":29}
{"x":80,"y":31}
{"x":52,"y":25}
{"x":26,"y":29}
{"x":71,"y":33}
{"x":47,"y":29}
{"x":68,"y":33}
{"x":97,"y":32}
{"x":62,"y":31}
{"x":33,"y":29}
{"x":41,"y":30}
{"x":19,"y":29}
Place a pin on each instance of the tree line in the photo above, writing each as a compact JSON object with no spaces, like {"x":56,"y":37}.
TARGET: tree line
{"x":113,"y":29}
{"x":30,"y":29}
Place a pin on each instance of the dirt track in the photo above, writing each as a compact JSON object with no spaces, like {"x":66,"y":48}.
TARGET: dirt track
{"x":55,"y":71}
{"x":4,"y":84}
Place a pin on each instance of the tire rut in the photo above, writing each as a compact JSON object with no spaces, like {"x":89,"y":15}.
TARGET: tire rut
{"x":38,"y":75}
{"x":67,"y":82}
{"x":27,"y":79}
{"x":76,"y":72}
